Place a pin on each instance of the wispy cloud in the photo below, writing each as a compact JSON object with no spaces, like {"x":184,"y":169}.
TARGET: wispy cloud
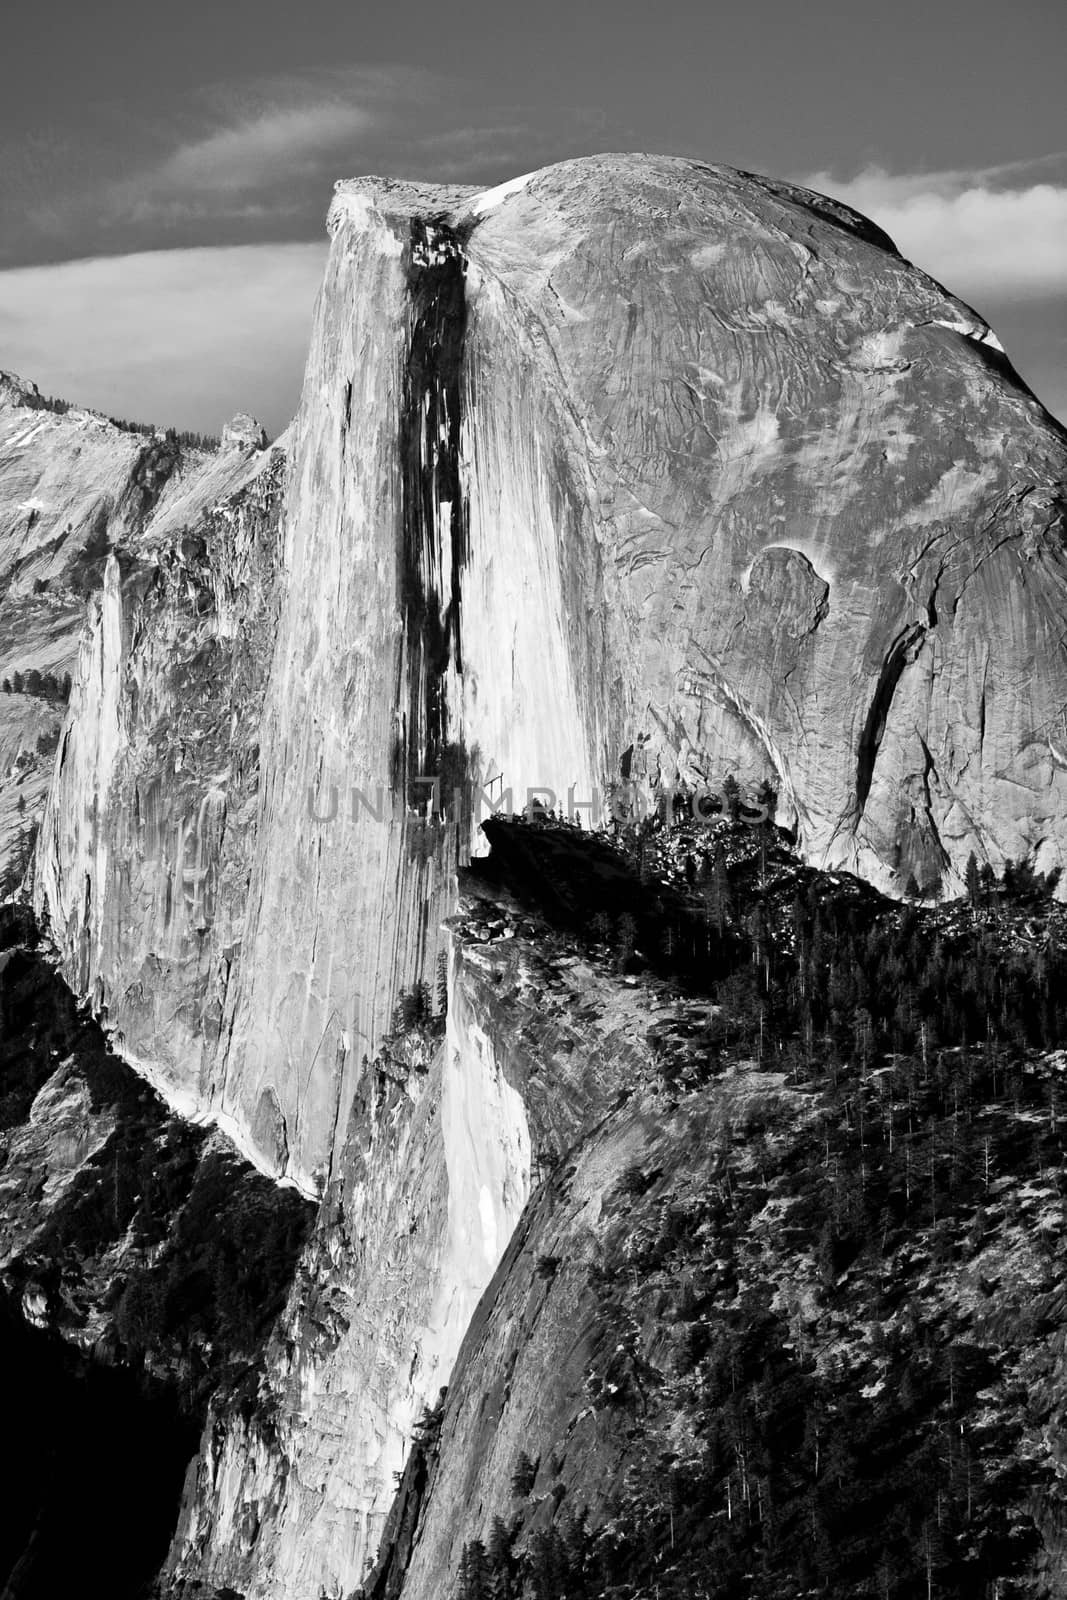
{"x":257,"y":159}
{"x":998,"y":231}
{"x":238,"y":165}
{"x":184,"y":337}
{"x":263,"y":150}
{"x":244,"y":154}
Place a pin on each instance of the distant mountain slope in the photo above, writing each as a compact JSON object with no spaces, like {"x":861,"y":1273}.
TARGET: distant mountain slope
{"x":73,"y":487}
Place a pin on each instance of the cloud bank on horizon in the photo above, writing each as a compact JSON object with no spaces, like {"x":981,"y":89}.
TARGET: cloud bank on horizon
{"x":185,"y":337}
{"x":987,"y":232}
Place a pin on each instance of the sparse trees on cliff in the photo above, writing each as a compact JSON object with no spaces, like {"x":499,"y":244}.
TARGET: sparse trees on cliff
{"x":46,"y":685}
{"x":183,"y":438}
{"x":414,"y":1008}
{"x":20,"y":861}
{"x":767,"y":799}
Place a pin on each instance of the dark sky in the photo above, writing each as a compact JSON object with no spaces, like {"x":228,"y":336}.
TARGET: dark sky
{"x":185,"y":130}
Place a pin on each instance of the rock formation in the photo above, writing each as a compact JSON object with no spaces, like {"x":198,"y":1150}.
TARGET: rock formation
{"x":631,"y":469}
{"x":594,"y":1429}
{"x":142,"y":1264}
{"x":633,"y":455}
{"x":147,"y":837}
{"x":74,"y":486}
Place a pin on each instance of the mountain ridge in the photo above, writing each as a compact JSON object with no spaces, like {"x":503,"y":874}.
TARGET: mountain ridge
{"x":632,"y":475}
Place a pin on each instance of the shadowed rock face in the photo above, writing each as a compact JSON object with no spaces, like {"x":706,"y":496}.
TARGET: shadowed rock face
{"x":141,"y":1267}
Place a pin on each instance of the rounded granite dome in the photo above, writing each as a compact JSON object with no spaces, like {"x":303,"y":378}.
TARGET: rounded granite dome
{"x":824,"y":512}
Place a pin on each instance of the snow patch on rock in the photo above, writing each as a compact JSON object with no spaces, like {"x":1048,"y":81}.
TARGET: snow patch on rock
{"x":490,"y":198}
{"x":971,"y":330}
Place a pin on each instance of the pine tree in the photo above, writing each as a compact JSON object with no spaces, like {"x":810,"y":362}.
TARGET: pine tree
{"x":398,"y":1015}
{"x":718,"y":894}
{"x":974,"y":880}
{"x":522,"y":1479}
{"x":422,"y":998}
{"x":502,"y":1563}
{"x":548,"y":1565}
{"x":474,"y":1573}
{"x":20,"y":862}
{"x":626,"y":937}
{"x":767,"y":798}
{"x":409,"y":1009}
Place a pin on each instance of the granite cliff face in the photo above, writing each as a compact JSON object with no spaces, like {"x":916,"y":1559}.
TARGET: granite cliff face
{"x":633,"y":461}
{"x":147,"y":838}
{"x":290,"y":1496}
{"x":632,"y":469}
{"x":449,"y":1136}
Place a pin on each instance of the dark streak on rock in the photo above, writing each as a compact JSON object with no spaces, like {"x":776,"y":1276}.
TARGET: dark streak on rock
{"x":930,"y":769}
{"x":431,"y":418}
{"x":148,"y":477}
{"x":822,"y":609}
{"x":385,"y":1581}
{"x":981,"y":719}
{"x":874,"y":726}
{"x":931,"y":603}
